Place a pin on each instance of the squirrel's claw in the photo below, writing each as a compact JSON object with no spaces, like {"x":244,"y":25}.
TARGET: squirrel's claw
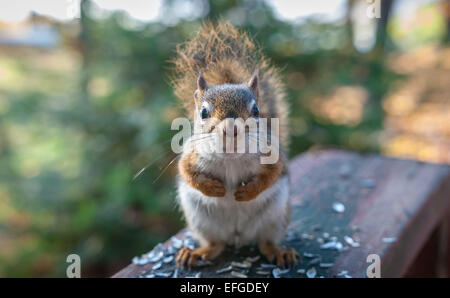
{"x":187,"y":258}
{"x":285,"y":258}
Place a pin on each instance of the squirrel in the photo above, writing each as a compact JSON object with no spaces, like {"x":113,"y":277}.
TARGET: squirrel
{"x":227,"y":198}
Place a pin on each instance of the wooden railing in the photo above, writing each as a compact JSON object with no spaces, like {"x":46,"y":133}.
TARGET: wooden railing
{"x":345,"y":208}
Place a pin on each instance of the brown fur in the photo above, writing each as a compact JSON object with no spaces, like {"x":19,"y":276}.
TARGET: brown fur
{"x":265,"y":179}
{"x":209,"y":186}
{"x":226,"y":55}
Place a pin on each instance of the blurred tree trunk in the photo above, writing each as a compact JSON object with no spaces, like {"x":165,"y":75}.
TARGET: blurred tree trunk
{"x":382,"y":36}
{"x":446,"y":13}
{"x":84,"y":40}
{"x":349,"y":23}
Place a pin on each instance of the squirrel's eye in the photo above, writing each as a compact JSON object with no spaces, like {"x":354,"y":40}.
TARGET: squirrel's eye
{"x":255,"y":111}
{"x":204,"y":113}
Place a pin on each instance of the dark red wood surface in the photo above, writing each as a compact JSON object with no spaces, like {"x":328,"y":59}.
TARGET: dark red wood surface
{"x":383,"y":198}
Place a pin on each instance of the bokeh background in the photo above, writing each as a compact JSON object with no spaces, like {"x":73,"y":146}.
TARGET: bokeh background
{"x":85,"y":104}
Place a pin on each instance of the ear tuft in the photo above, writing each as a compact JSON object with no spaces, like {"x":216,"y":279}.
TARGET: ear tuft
{"x":201,"y":82}
{"x":254,"y":82}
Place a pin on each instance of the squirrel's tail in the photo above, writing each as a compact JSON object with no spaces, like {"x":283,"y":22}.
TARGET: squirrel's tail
{"x":226,"y":55}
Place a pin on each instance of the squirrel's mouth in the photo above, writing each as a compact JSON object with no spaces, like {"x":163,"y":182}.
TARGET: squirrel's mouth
{"x":239,"y":143}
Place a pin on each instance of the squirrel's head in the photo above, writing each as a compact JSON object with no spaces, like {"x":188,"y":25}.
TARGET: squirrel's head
{"x":220,"y":102}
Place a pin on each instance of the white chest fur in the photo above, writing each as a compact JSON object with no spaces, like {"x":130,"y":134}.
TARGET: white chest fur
{"x":225,"y":219}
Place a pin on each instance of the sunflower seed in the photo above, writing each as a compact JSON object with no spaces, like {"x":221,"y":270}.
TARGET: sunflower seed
{"x":155,"y":254}
{"x":157,"y":266}
{"x":311,"y":273}
{"x":243,"y":265}
{"x":198,"y":275}
{"x":326,"y":265}
{"x":267,"y":266}
{"x":189,"y":243}
{"x":301,"y":271}
{"x":260,"y":272}
{"x":252,"y":260}
{"x":175,"y":273}
{"x":307,"y":236}
{"x":350,"y":241}
{"x":140,"y":261}
{"x":338,"y":207}
{"x":168,"y":259}
{"x":238,"y":274}
{"x":225,"y":269}
{"x":171,"y":250}
{"x":336,"y":245}
{"x":342,"y":273}
{"x":389,"y":239}
{"x":176,"y":242}
{"x":163,"y":274}
{"x":277,"y":272}
{"x":308,"y":255}
{"x":150,"y":275}
{"x":314,"y":261}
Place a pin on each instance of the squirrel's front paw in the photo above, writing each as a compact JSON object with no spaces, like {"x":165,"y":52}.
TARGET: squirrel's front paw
{"x":246,"y":192}
{"x":213,"y":188}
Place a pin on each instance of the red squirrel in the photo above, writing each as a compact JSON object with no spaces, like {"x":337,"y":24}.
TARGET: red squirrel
{"x":230,"y":198}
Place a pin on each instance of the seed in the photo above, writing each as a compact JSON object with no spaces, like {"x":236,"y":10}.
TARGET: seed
{"x":350,"y":241}
{"x":163,"y":274}
{"x":168,"y":259}
{"x":277,"y":272}
{"x":314,"y":261}
{"x":338,"y":207}
{"x":307,"y":236}
{"x":342,"y":273}
{"x":389,"y":239}
{"x":268,"y":266}
{"x":308,"y":255}
{"x":225,"y":269}
{"x":311,"y":273}
{"x":157,"y":266}
{"x":326,"y":265}
{"x":176,"y":242}
{"x":238,"y":274}
{"x":175,"y":273}
{"x":252,"y":260}
{"x":243,"y":265}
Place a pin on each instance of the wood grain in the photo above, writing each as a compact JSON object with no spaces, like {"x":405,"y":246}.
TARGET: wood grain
{"x":383,"y":197}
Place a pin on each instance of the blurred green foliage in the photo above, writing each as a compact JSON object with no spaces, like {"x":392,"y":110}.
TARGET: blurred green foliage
{"x":75,"y":129}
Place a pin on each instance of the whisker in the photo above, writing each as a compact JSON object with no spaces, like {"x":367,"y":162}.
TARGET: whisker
{"x":162,"y":172}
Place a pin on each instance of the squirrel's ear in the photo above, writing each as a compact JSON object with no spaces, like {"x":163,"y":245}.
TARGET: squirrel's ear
{"x":253,"y":83}
{"x":201,"y":82}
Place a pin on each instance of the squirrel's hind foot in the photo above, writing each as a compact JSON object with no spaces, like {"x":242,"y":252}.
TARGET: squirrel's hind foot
{"x":283,"y":258}
{"x":187,"y":258}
